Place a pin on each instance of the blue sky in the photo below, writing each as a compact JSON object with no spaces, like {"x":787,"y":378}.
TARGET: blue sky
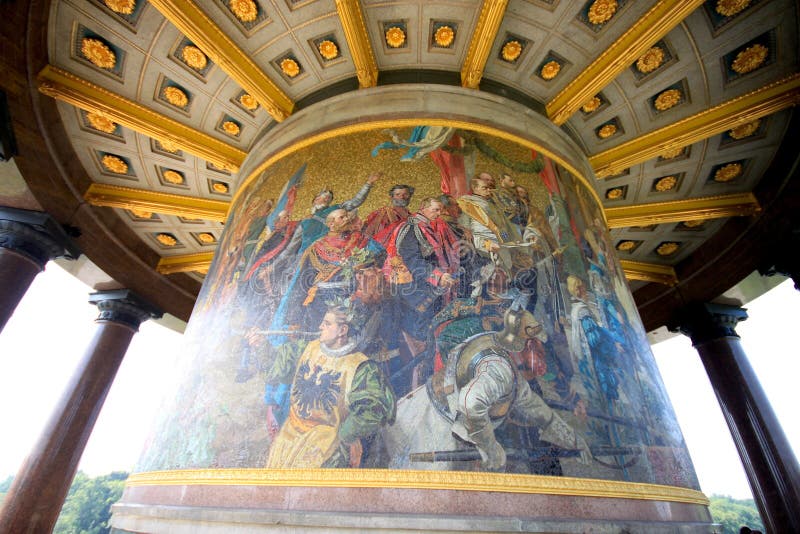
{"x":44,"y":340}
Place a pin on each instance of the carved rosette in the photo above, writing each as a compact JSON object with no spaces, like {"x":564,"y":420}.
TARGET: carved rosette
{"x":728,"y":172}
{"x":626,"y":246}
{"x":650,"y":60}
{"x":244,"y":10}
{"x":176,"y":97}
{"x":101,"y":123}
{"x":114,"y":164}
{"x":601,"y":11}
{"x":667,"y":248}
{"x":606,"y":131}
{"x":31,"y":243}
{"x":395,"y":37}
{"x":173,"y":177}
{"x":672,"y":153}
{"x":248,"y":101}
{"x":123,"y":7}
{"x":614,"y":194}
{"x":168,"y":240}
{"x":745,"y":130}
{"x":591,"y":105}
{"x":206,"y":238}
{"x":729,"y":8}
{"x":444,"y":36}
{"x":194,"y":57}
{"x":98,"y":53}
{"x":328,"y":49}
{"x":667,"y":99}
{"x":290,"y":67}
{"x":666,"y":183}
{"x":511,"y":51}
{"x":231,"y":128}
{"x":750,"y":59}
{"x":550,"y":70}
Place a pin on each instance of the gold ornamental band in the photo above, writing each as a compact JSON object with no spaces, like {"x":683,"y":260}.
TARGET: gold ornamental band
{"x":367,"y":125}
{"x":407,"y":479}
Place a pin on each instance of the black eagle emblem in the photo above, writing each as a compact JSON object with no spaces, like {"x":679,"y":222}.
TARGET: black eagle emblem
{"x":315,"y":390}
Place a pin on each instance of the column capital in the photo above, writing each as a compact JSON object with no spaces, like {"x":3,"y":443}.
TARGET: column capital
{"x":124,"y":307}
{"x":703,"y":322}
{"x":35,"y":235}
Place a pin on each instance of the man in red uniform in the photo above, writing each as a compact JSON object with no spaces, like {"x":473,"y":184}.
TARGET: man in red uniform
{"x":380,"y":223}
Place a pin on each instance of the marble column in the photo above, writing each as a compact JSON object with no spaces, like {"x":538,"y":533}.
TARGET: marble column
{"x":28,"y":240}
{"x":40,"y":487}
{"x":768,"y":460}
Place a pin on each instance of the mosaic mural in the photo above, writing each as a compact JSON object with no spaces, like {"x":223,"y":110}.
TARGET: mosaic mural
{"x":425,"y":298}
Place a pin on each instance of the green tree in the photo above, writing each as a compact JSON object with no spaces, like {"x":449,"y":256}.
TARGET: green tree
{"x":733,"y":514}
{"x":87,"y":509}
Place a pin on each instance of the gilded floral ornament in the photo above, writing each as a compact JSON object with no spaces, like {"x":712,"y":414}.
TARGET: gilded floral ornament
{"x":591,"y":105}
{"x":511,"y":50}
{"x":395,"y":37}
{"x":729,"y":8}
{"x":169,"y":146}
{"x":650,"y":60}
{"x":167,"y":240}
{"x":248,"y":101}
{"x":231,"y":128}
{"x":443,"y":36}
{"x":175,"y":96}
{"x":173,"y":177}
{"x":745,"y":130}
{"x":602,"y":10}
{"x":194,"y":57}
{"x":667,"y":248}
{"x":206,"y":238}
{"x":672,"y":153}
{"x":694,"y":224}
{"x":245,"y":10}
{"x":98,"y":53}
{"x":328,"y":49}
{"x":123,"y":7}
{"x":666,"y":183}
{"x":101,"y":123}
{"x":667,"y":99}
{"x":626,"y":246}
{"x":750,"y":59}
{"x":550,"y":70}
{"x":220,"y":187}
{"x":140,"y":213}
{"x":614,"y":194}
{"x":290,"y":67}
{"x":606,"y":131}
{"x":728,"y":172}
{"x":114,"y":164}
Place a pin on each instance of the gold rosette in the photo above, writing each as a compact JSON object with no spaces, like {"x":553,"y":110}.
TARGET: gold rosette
{"x":173,"y":177}
{"x":100,"y":123}
{"x":98,"y":53}
{"x":591,"y":105}
{"x":729,"y":8}
{"x":123,"y":7}
{"x":328,"y":49}
{"x":602,"y":10}
{"x":167,"y":240}
{"x":511,"y":50}
{"x":443,"y":36}
{"x":728,"y":172}
{"x":749,"y":59}
{"x":667,"y":99}
{"x":650,"y":60}
{"x":290,"y":67}
{"x":550,"y":70}
{"x":248,"y":101}
{"x":194,"y":57}
{"x":219,"y":187}
{"x":613,"y":194}
{"x":745,"y":130}
{"x":206,"y":238}
{"x":245,"y":10}
{"x":140,"y":213}
{"x":666,"y":183}
{"x":626,"y":246}
{"x":672,"y":153}
{"x":665,"y":249}
{"x":694,"y":224}
{"x":231,"y":128}
{"x":395,"y":37}
{"x":175,"y":96}
{"x":169,"y":146}
{"x":606,"y":131}
{"x":114,"y":164}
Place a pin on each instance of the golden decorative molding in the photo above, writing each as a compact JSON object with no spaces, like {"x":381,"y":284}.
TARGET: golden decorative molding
{"x":187,"y":16}
{"x":128,"y":198}
{"x":649,"y":272}
{"x":694,"y":209}
{"x":67,"y":87}
{"x":396,"y":478}
{"x":644,"y":33}
{"x":355,"y":31}
{"x":482,"y":41}
{"x":185,"y":263}
{"x":746,"y":108}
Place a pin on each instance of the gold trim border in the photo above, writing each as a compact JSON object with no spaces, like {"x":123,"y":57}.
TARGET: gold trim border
{"x":408,"y":479}
{"x":649,"y":272}
{"x":197,"y":26}
{"x":740,"y":110}
{"x":491,"y":15}
{"x":691,"y":209}
{"x":184,"y":263}
{"x":114,"y":196}
{"x":67,"y":87}
{"x":400,"y":122}
{"x":355,"y":31}
{"x":645,"y":32}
